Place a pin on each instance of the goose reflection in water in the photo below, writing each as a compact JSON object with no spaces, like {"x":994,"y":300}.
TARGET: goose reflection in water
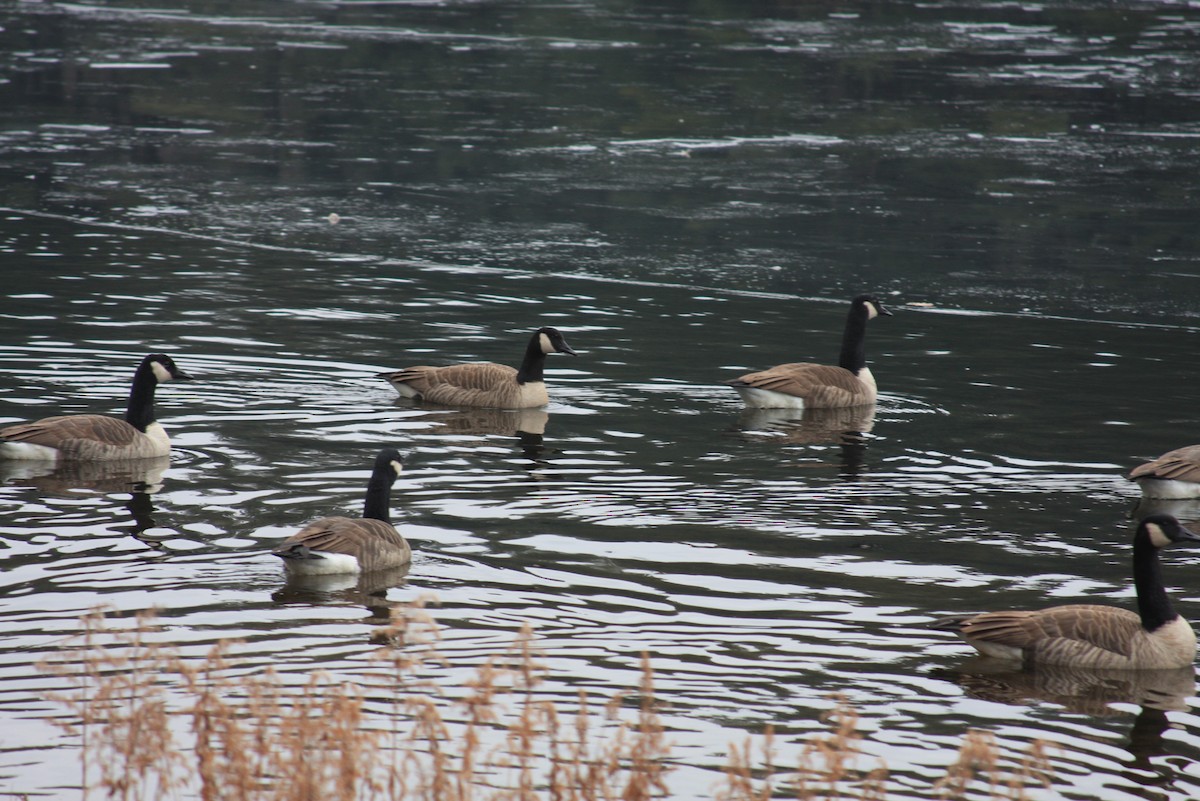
{"x":123,"y":475}
{"x":1091,"y":692}
{"x":142,"y":509}
{"x":368,"y":590}
{"x":1185,"y":510}
{"x":141,"y":478}
{"x":528,"y":426}
{"x":847,"y":426}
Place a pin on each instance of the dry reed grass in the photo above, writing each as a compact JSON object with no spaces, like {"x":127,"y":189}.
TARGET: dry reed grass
{"x":979,"y":765}
{"x":153,"y":725}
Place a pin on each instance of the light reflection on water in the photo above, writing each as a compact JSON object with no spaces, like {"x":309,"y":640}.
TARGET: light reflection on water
{"x":1025,"y":172}
{"x":764,"y":561}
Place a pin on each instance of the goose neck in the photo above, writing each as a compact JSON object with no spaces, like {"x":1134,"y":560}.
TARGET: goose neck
{"x":854,"y":338}
{"x":139,"y":412}
{"x":377,"y":505}
{"x":1154,"y":606}
{"x":533,"y":365}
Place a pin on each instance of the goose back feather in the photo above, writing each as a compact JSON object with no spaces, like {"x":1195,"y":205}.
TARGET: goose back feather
{"x":473,"y":384}
{"x":1175,"y":474}
{"x":813,"y":386}
{"x":369,"y":545}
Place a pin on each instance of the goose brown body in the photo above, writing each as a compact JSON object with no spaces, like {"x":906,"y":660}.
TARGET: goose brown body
{"x":818,"y":386}
{"x":809,"y":385}
{"x":1175,"y":474}
{"x":89,"y":437}
{"x":485,"y":384}
{"x":1092,"y":635}
{"x":352,"y":544}
{"x":374,"y":544}
{"x":1082,"y":635}
{"x":97,"y":437}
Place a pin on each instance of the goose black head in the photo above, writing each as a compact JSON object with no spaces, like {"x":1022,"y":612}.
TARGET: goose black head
{"x":164,"y":369}
{"x":873,"y":306}
{"x":389,"y":459}
{"x":1164,"y":530}
{"x":551,"y":341}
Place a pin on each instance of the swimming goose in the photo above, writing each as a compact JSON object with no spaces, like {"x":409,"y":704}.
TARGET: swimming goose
{"x":1173,"y":475}
{"x":801,"y":385}
{"x":352,"y":544}
{"x":94,"y":437}
{"x":1090,"y":635}
{"x":485,"y":384}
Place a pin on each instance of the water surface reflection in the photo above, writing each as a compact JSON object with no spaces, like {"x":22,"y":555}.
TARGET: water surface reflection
{"x":686,"y":192}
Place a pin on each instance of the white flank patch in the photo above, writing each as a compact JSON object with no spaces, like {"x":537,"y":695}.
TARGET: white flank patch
{"x":404,"y":389}
{"x":327,"y":564}
{"x":28,"y":452}
{"x":995,"y":650}
{"x":160,"y":372}
{"x":1169,"y":488}
{"x":769,"y":399}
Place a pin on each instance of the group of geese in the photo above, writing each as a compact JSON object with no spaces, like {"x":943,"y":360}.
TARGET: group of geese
{"x":1079,"y":635}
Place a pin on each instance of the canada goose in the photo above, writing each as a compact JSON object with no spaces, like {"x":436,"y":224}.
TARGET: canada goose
{"x":495,"y":386}
{"x":1173,"y":475}
{"x":352,"y":544}
{"x":92,"y":437}
{"x":801,"y":385}
{"x":1090,"y":635}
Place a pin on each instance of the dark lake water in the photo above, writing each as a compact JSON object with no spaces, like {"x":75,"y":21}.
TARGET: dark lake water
{"x":292,"y":197}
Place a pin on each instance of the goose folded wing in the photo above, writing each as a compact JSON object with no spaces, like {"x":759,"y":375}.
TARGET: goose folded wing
{"x":1077,"y":628}
{"x":467,"y":384}
{"x":1178,"y":465}
{"x":342,"y":535}
{"x":476,"y":376}
{"x":803,"y":379}
{"x":55,"y":432}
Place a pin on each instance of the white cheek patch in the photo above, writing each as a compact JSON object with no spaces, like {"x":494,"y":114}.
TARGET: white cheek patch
{"x":160,"y":372}
{"x":547,"y":346}
{"x":1158,"y":538}
{"x":872,"y":312}
{"x":397,"y":466}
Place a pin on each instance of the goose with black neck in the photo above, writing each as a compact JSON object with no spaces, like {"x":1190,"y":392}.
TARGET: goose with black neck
{"x":1092,"y":635}
{"x":485,"y":384}
{"x":808,"y":385}
{"x":97,"y":437}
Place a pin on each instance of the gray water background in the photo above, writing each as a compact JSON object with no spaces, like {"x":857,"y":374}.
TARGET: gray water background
{"x":689,"y":191}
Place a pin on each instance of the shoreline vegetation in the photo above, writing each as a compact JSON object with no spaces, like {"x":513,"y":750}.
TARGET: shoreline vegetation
{"x":151,"y":724}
